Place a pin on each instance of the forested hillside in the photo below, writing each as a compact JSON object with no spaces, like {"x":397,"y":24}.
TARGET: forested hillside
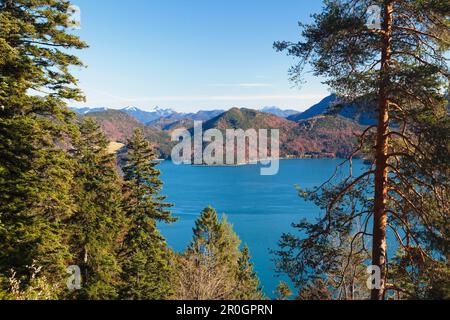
{"x":119,"y":127}
{"x":78,"y":221}
{"x":318,"y":137}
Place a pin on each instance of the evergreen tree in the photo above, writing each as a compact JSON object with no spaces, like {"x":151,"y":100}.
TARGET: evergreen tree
{"x":98,"y":219}
{"x":35,"y":126}
{"x":248,"y":286}
{"x":400,"y":68}
{"x":213,"y":267}
{"x":204,"y":271}
{"x":214,"y":239}
{"x":146,"y":269}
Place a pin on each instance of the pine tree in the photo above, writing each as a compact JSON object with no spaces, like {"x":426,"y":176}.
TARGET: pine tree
{"x":98,"y":219}
{"x":35,"y":170}
{"x":147,"y":272}
{"x":401,"y":69}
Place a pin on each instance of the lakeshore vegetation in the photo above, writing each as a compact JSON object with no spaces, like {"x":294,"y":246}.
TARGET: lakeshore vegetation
{"x":67,"y":200}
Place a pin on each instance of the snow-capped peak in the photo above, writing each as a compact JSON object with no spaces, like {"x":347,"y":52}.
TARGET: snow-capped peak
{"x":131,"y":109}
{"x":87,"y":110}
{"x":163,"y":112}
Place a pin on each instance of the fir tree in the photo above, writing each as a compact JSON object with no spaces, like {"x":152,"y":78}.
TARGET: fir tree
{"x":98,"y":219}
{"x":214,"y":239}
{"x":146,"y":269}
{"x":213,"y":267}
{"x":207,"y":269}
{"x":35,"y":170}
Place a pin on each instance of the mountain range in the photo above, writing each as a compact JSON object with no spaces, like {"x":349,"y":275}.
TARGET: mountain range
{"x":284,"y":113}
{"x":138,"y":114}
{"x":315,"y":110}
{"x":327,"y":129}
{"x":362,"y":112}
{"x":322,"y":136}
{"x":166,"y":118}
{"x":119,"y":126}
{"x":159,"y":113}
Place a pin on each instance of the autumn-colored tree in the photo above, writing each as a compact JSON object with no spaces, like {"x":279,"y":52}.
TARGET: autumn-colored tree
{"x":283,"y":291}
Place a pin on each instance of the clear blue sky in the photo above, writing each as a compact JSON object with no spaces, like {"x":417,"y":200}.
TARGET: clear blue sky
{"x":192,"y":54}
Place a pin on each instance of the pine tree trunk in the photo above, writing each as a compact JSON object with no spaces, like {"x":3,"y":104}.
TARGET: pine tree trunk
{"x":381,"y":173}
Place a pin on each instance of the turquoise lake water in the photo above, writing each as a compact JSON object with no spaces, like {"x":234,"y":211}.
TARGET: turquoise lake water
{"x":260,"y":208}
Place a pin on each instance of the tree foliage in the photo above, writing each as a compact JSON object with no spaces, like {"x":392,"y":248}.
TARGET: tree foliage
{"x":99,"y":219}
{"x":213,"y":267}
{"x":64,"y":201}
{"x":146,"y":269}
{"x":401,"y":71}
{"x":36,"y":173}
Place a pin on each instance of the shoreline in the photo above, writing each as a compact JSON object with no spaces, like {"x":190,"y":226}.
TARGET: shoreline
{"x":259,"y":161}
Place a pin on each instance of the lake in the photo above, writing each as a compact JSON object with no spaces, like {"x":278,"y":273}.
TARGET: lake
{"x":260,"y":208}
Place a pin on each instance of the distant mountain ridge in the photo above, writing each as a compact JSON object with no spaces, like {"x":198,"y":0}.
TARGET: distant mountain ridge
{"x":317,"y":109}
{"x":119,"y":126}
{"x":363,"y":113}
{"x":324,"y":130}
{"x":177,"y":120}
{"x":243,"y":118}
{"x":284,"y":113}
{"x":203,"y":115}
{"x":147,"y":116}
{"x":321,"y":136}
{"x":139,"y":114}
{"x":166,"y":118}
{"x":156,"y":114}
{"x":83,"y":111}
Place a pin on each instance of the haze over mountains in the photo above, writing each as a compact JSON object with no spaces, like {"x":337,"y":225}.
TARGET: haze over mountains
{"x":321,"y":131}
{"x":164,"y":116}
{"x":140,"y":115}
{"x":165,"y":113}
{"x":279,"y":112}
